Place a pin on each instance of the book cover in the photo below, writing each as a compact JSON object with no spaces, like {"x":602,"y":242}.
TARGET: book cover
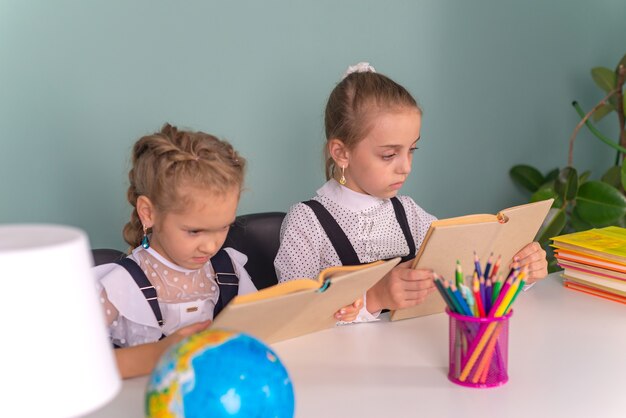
{"x":448,"y":240}
{"x":301,"y":306}
{"x":590,"y":260}
{"x":584,"y":268}
{"x":593,"y":291}
{"x":606,"y":285}
{"x":608,"y":243}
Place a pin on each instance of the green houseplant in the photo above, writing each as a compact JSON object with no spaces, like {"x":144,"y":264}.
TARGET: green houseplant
{"x":579,"y":202}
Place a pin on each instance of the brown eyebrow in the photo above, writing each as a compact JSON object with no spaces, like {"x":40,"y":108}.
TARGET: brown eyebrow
{"x":191,"y":228}
{"x":395,"y":146}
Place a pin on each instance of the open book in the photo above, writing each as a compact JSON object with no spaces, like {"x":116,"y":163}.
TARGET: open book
{"x":448,"y":240}
{"x":301,"y":306}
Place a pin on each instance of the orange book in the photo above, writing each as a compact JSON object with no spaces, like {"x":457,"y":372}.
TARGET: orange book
{"x":448,"y":240}
{"x":574,"y":256}
{"x":594,"y":292}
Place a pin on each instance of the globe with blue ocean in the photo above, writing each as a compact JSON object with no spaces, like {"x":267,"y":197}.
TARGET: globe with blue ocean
{"x":217,"y":373}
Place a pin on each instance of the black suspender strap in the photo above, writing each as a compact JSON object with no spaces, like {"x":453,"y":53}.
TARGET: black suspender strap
{"x":149,"y":292}
{"x":226,"y":279}
{"x":404,"y":224}
{"x":337,"y":237}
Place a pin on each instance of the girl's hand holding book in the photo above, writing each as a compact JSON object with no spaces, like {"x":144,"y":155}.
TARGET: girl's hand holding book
{"x":350,"y":312}
{"x":533,"y":257}
{"x":400,"y":288}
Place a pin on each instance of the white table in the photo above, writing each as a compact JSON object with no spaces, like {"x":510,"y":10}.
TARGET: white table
{"x":567,"y":358}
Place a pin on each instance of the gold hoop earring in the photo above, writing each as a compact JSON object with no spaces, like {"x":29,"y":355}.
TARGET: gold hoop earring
{"x":342,"y":180}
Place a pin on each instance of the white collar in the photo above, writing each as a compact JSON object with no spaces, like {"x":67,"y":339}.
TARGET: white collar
{"x":348,"y":198}
{"x":163,"y":260}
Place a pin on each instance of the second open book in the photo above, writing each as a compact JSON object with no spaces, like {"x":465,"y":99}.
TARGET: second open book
{"x":301,"y":306}
{"x":448,"y":240}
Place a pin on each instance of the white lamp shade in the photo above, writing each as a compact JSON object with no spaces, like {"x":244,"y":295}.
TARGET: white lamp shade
{"x":56,"y":357}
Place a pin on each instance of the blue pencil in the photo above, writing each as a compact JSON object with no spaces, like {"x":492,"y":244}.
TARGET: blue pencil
{"x":488,"y":266}
{"x":461,"y":301}
{"x":477,"y":265}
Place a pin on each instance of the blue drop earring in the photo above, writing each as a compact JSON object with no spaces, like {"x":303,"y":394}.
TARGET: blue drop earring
{"x":145,"y":242}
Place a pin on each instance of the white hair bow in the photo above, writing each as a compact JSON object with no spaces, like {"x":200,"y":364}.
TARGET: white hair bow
{"x":361,"y":67}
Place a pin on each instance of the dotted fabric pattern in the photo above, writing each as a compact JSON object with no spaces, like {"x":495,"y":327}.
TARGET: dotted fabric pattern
{"x":185,"y":297}
{"x":370,"y":225}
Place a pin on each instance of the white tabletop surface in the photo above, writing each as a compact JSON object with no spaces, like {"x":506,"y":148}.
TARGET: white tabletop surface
{"x":567,"y":358}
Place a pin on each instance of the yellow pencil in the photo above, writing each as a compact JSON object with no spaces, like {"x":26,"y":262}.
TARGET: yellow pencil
{"x":499,"y":310}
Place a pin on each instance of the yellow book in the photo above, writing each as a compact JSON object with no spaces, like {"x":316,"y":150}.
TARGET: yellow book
{"x":607,"y":243}
{"x":448,"y":240}
{"x":301,"y":306}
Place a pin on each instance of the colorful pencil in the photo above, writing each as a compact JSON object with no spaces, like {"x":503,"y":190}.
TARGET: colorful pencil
{"x":444,"y":294}
{"x":501,"y":295}
{"x":496,"y":267}
{"x":488,"y":293}
{"x":488,"y":266}
{"x":459,"y":298}
{"x":446,"y":286}
{"x":497,"y":285}
{"x":458,"y":274}
{"x":522,"y":282}
{"x":479,"y":303}
{"x":469,"y":298}
{"x":477,"y":265}
{"x":483,"y":295}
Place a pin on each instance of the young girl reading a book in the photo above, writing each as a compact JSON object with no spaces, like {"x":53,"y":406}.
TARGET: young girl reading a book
{"x":372,"y":129}
{"x":184,"y":190}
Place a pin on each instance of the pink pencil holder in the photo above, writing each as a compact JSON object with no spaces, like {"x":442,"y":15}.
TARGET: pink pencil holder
{"x":478,"y":350}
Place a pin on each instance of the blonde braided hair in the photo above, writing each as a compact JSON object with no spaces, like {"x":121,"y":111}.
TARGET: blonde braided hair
{"x":166,"y":160}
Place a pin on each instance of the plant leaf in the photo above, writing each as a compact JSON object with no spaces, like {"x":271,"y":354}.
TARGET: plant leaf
{"x":566,"y":183}
{"x":546,"y":191}
{"x":576,"y":224}
{"x":527,"y":176}
{"x":604,"y":78}
{"x":613,"y":176}
{"x":552,"y":174}
{"x":602,"y":111}
{"x":552,"y":226}
{"x":599,"y":204}
{"x":623,"y":176}
{"x":583,"y":177}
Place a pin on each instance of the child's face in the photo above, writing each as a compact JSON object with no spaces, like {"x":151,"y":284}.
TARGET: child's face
{"x":380,"y":163}
{"x":189,"y":238}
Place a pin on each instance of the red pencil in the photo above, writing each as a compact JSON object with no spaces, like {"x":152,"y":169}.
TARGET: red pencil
{"x":495,"y":268}
{"x":477,"y":296}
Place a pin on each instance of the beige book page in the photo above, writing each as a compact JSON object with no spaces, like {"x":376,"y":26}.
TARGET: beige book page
{"x":503,"y":235}
{"x":292,"y":315}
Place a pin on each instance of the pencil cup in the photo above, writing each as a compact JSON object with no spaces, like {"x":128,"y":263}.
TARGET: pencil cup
{"x":478,"y":350}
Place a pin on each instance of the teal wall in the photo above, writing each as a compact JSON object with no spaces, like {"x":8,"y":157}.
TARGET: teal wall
{"x":81,"y":81}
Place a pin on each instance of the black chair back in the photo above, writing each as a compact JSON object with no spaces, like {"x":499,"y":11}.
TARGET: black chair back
{"x":257,"y":235}
{"x":106,"y":255}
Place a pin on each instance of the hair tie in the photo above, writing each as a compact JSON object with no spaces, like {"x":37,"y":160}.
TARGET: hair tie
{"x":361,"y":67}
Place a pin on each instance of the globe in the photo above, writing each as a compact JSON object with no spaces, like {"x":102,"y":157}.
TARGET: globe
{"x":217,"y":373}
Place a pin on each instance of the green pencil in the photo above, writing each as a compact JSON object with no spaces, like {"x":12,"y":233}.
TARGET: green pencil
{"x":497,"y":286}
{"x":459,"y":274}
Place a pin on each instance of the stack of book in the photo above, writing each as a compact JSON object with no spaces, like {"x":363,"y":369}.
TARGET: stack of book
{"x":594,"y":261}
